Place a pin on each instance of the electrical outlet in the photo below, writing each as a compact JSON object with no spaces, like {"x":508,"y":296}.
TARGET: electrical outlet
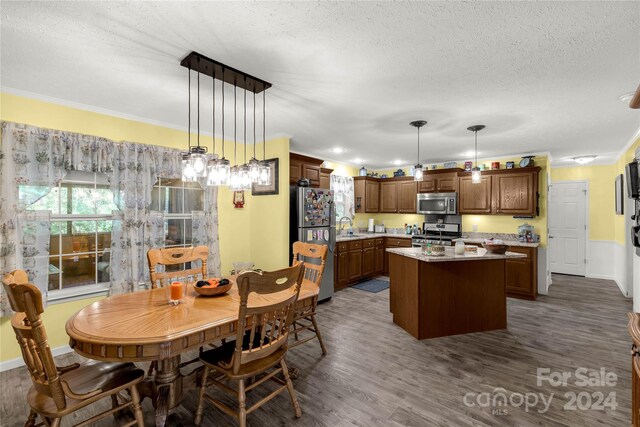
{"x":475,"y":227}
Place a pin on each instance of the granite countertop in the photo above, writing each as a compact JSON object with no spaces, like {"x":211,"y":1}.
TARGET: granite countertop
{"x":450,"y":255}
{"x":510,"y":242}
{"x":364,"y":235}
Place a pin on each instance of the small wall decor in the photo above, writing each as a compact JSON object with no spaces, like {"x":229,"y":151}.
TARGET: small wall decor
{"x":510,"y":165}
{"x":495,"y":166}
{"x":450,"y":165}
{"x":238,"y":199}
{"x":619,"y":192}
{"x":468,"y":166}
{"x":274,"y":186}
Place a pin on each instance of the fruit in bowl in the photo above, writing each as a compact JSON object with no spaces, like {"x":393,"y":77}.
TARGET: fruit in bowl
{"x":213,"y":286}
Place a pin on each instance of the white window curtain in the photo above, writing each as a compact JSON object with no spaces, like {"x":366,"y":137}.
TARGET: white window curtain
{"x":343,"y":196}
{"x":39,"y":159}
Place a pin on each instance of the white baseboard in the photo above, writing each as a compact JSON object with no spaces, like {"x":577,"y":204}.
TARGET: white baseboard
{"x":18,"y":361}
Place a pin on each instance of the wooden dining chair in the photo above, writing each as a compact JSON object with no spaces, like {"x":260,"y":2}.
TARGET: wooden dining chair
{"x":171,"y":258}
{"x":59,"y":391}
{"x":305,"y":315}
{"x":267,"y":304}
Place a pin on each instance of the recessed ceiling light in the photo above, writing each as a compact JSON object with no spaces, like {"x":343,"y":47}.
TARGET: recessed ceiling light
{"x":397,"y":162}
{"x":583,"y":160}
{"x":626,"y":97}
{"x":358,"y":161}
{"x":467,"y":154}
{"x":337,"y":150}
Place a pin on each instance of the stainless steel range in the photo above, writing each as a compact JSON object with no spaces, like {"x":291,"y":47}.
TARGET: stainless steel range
{"x":437,"y":232}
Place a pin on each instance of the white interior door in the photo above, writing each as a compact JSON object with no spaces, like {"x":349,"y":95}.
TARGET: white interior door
{"x":567,"y":228}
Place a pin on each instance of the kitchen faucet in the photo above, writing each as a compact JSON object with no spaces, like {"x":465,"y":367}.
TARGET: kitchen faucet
{"x":340,"y":223}
{"x":439,"y":231}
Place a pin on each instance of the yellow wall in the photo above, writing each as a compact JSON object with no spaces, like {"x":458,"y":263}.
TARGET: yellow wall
{"x":619,"y":168}
{"x":601,"y":195}
{"x":258,"y":232}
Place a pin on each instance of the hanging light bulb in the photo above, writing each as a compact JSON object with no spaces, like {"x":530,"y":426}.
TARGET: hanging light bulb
{"x":476,"y":176}
{"x":213,"y":178}
{"x":235,"y":180}
{"x":264,"y":175}
{"x":188,"y":172}
{"x":417,"y":169}
{"x":254,"y":164}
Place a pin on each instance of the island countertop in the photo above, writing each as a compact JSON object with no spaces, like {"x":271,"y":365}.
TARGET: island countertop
{"x":450,"y":255}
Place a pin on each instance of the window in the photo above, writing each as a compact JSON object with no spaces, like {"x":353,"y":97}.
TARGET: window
{"x":81,"y":219}
{"x":177,"y":199}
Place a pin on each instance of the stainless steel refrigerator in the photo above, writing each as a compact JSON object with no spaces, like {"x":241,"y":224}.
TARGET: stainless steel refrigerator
{"x":313,"y":220}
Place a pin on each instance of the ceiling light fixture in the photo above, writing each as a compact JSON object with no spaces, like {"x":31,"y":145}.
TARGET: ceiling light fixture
{"x":475,"y":171}
{"x":583,"y":160}
{"x":337,"y":150}
{"x":196,"y":163}
{"x":417,"y":169}
{"x":397,"y":162}
{"x":254,"y":164}
{"x":265,"y":168}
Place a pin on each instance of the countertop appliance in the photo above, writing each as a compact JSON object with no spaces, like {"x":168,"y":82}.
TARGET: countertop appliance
{"x":437,"y":203}
{"x":432,"y":233}
{"x":312,"y":219}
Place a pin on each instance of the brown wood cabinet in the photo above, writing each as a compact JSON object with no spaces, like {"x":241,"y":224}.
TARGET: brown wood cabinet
{"x":357,"y":260}
{"x":325,"y":177}
{"x":407,"y":195}
{"x":304,"y":167}
{"x":366,"y":194}
{"x":500,"y":192}
{"x":388,"y":196}
{"x":474,"y":198}
{"x":440,"y":181}
{"x":515,"y":193}
{"x":634,"y":331}
{"x":522,"y":273}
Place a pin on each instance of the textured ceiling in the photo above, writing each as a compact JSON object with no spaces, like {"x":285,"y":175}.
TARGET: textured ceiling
{"x":543,"y":76}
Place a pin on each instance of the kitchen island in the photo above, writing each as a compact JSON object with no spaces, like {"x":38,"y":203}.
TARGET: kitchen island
{"x":435,"y":296}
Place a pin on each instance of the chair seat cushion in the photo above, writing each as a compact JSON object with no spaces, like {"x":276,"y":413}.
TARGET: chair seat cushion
{"x":89,"y":376}
{"x":224,"y":353}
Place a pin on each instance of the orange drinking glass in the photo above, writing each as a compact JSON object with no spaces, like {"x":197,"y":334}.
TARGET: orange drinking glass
{"x":176,"y":291}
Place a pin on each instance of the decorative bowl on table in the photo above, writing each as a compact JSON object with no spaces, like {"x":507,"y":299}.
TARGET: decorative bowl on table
{"x":212,"y":287}
{"x":496,"y":248}
{"x":437,"y":250}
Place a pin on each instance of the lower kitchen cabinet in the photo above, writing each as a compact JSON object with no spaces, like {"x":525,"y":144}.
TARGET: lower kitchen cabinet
{"x":393,"y":242}
{"x":357,"y":260}
{"x":521,"y":274}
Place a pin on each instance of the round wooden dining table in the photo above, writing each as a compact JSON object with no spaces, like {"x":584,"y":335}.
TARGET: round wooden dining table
{"x":144,"y":327}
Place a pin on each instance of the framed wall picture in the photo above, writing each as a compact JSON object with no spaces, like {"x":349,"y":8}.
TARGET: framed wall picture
{"x":619,"y":192}
{"x":274,"y":187}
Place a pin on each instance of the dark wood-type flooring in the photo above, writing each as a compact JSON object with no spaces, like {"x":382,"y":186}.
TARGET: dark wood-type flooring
{"x":378,"y":375}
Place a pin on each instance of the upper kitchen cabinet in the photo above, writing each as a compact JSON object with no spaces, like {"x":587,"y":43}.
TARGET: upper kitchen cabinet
{"x":304,"y":167}
{"x":388,"y":196}
{"x":367,"y":194}
{"x":474,"y":198}
{"x":439,"y":181}
{"x":516,"y":193}
{"x":325,"y":177}
{"x":407,"y":192}
{"x":500,"y":192}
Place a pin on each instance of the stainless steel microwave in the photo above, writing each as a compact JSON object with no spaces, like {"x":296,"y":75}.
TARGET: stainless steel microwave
{"x":438,"y":203}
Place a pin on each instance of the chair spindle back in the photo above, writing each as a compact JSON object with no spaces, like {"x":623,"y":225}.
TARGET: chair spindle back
{"x":267,"y":303}
{"x":176,"y":256}
{"x":312,"y":272}
{"x":26,"y":300}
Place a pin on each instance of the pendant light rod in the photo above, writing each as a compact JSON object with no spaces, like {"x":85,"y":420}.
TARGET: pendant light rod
{"x":476,"y":129}
{"x":223,"y":114}
{"x":235,"y":125}
{"x":244,"y":105}
{"x":418,"y":124}
{"x":213,"y":116}
{"x":189,"y":113}
{"x":198,"y":111}
{"x":264,"y":127}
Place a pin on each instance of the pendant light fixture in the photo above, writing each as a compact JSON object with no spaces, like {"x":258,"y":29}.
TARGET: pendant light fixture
{"x":213,"y":179}
{"x":245,"y":170}
{"x":254,"y":164}
{"x":264,"y":176}
{"x":234,"y":176}
{"x":224,"y":169}
{"x":197,"y":165}
{"x":417,"y":169}
{"x":475,"y":171}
